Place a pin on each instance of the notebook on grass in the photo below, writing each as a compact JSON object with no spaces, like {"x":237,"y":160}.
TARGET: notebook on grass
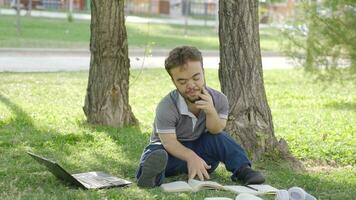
{"x":87,"y":180}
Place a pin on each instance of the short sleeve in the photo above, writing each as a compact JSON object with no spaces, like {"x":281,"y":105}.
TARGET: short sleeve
{"x":166,"y":118}
{"x":222,"y":105}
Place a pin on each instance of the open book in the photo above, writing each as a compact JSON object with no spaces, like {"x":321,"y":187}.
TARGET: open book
{"x":195,"y":185}
{"x":191,"y":186}
{"x":252,"y":189}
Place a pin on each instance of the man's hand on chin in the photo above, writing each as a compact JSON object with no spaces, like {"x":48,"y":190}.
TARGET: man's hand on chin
{"x":206,"y":102}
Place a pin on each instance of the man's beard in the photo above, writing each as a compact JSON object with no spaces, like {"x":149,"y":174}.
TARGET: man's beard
{"x":190,"y":99}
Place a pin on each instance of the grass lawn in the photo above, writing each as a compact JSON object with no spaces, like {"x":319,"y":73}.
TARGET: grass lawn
{"x":59,"y":33}
{"x":42,"y":112}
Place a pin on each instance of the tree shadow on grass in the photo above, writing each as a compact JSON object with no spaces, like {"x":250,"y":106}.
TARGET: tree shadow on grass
{"x":20,"y":134}
{"x":130,"y":140}
{"x":342,"y":105}
{"x":279,"y":175}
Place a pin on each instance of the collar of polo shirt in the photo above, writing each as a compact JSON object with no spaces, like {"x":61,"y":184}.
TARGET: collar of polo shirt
{"x":183,"y":109}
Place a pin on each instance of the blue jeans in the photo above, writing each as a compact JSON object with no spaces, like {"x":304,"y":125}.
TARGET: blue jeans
{"x":212,"y":148}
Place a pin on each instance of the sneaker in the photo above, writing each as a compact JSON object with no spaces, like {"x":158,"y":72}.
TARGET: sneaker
{"x":297,"y":193}
{"x":154,"y":165}
{"x":249,"y":176}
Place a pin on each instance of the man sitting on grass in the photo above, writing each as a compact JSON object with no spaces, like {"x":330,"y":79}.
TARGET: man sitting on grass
{"x":188,"y":134}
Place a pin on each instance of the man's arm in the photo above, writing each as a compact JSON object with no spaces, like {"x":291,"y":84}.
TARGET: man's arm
{"x":196,"y":165}
{"x":214,"y":123}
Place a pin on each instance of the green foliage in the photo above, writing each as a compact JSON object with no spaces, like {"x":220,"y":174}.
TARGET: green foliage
{"x":322,"y":37}
{"x":42,"y":112}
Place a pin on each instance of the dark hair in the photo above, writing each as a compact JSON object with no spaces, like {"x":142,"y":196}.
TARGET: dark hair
{"x":181,"y":55}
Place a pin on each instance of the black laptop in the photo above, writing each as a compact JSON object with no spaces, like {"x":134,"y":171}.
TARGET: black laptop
{"x":87,"y":180}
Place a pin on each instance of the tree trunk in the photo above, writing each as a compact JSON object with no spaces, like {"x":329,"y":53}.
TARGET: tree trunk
{"x":241,"y":78}
{"x":107,"y":99}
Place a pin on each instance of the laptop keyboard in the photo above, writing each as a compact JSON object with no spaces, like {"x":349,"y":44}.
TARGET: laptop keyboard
{"x":97,"y":180}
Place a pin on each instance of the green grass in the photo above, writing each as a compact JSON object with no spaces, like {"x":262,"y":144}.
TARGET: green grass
{"x":42,"y":112}
{"x":58,"y":33}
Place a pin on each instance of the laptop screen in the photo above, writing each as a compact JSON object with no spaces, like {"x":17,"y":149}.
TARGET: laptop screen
{"x":56,"y":170}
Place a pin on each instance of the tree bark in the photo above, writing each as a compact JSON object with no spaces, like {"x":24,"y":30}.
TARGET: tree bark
{"x":241,"y":78}
{"x":107,"y":99}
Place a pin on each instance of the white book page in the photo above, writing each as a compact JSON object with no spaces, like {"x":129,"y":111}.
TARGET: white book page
{"x":240,"y":189}
{"x":197,"y":185}
{"x":264,"y":188}
{"x":177,"y":186}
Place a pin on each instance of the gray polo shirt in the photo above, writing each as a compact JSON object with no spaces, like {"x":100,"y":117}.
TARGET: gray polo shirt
{"x":172,"y":116}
